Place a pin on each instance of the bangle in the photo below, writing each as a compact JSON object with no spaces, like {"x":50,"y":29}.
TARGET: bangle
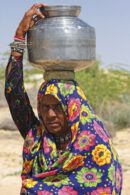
{"x":17,"y":38}
{"x":21,"y":51}
{"x":18,"y":46}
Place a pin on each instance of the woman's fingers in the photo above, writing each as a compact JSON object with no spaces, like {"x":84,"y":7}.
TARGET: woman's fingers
{"x":34,"y":20}
{"x":33,"y":10}
{"x":30,"y":18}
{"x":37,"y":15}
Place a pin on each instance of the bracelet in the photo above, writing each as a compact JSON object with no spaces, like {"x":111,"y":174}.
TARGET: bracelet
{"x":18,"y":46}
{"x":16,"y":38}
{"x":21,"y":51}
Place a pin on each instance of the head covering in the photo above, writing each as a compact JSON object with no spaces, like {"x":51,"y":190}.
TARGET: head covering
{"x":89,"y":164}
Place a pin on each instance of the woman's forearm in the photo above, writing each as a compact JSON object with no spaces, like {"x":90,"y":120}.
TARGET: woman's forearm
{"x":14,"y":75}
{"x":17,"y":97}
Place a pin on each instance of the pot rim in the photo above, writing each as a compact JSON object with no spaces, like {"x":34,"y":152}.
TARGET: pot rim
{"x":61,"y":10}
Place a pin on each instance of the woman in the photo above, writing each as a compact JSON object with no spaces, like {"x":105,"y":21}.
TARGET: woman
{"x":66,"y":151}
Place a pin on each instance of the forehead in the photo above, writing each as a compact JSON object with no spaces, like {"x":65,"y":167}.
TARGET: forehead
{"x":49,"y":100}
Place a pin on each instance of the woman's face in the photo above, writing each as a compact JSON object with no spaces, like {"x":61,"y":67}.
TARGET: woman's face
{"x":53,"y":116}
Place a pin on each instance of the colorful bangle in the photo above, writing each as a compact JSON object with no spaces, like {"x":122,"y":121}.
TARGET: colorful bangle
{"x":16,"y":38}
{"x":21,"y":51}
{"x":18,"y":46}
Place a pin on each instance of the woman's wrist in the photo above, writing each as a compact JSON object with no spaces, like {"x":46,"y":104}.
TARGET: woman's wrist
{"x":18,"y":46}
{"x":20,"y":32}
{"x":21,"y":35}
{"x":23,"y":27}
{"x":19,"y":38}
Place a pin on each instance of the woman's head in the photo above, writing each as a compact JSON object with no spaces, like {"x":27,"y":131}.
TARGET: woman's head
{"x":60,"y":102}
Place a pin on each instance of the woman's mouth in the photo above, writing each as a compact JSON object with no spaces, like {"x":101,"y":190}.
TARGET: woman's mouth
{"x":53,"y":124}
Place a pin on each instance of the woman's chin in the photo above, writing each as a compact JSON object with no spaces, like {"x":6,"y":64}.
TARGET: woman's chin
{"x":54,"y":129}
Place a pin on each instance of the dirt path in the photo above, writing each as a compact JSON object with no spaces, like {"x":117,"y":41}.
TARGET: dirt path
{"x":122,"y":145}
{"x":10,"y":160}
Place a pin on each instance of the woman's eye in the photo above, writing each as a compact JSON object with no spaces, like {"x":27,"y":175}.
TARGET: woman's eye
{"x":58,"y":107}
{"x":45,"y":108}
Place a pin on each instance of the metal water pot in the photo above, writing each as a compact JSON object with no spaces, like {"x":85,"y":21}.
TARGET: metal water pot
{"x":61,"y":41}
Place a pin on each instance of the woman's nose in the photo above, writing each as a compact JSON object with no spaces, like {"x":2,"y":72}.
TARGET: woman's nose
{"x":51,"y":113}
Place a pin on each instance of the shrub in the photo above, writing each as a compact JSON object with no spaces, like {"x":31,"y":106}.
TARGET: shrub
{"x":106,"y":91}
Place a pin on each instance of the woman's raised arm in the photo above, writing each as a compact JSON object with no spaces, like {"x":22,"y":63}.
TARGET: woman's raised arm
{"x":15,"y":93}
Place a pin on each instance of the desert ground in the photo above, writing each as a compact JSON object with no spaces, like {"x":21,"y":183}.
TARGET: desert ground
{"x":11,"y":151}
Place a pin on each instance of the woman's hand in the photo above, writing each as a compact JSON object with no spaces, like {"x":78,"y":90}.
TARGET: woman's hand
{"x":29,"y":19}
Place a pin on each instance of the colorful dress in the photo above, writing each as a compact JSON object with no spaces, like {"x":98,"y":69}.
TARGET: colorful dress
{"x":88,"y":166}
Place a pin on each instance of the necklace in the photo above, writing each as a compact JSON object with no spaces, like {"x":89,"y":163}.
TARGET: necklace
{"x":63,"y":138}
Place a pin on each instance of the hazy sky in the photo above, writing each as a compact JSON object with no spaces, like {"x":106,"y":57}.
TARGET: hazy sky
{"x":111,"y":19}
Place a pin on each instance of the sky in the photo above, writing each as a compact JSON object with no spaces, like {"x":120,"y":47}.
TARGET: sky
{"x":110,"y":18}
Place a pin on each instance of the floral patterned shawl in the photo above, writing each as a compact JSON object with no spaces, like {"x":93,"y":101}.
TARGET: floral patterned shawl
{"x":88,"y":166}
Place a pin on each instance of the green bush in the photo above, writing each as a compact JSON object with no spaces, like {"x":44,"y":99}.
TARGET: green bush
{"x":118,"y":114}
{"x":2,"y":75}
{"x":106,"y":91}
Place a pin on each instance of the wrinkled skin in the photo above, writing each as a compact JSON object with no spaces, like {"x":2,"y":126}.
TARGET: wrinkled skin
{"x":53,"y":116}
{"x":27,"y":22}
